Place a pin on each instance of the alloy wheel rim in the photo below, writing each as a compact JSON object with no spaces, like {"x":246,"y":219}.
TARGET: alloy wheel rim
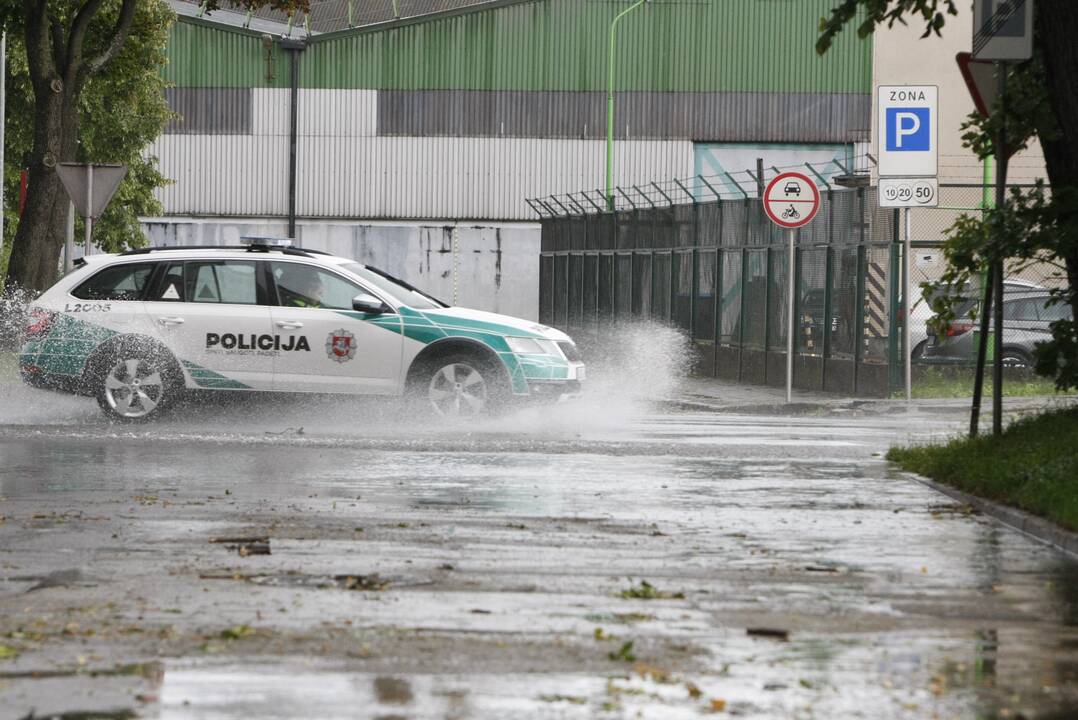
{"x":133,"y":388}
{"x":458,"y":390}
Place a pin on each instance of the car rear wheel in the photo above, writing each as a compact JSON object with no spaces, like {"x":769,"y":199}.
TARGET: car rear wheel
{"x":463,"y":386}
{"x":136,"y":385}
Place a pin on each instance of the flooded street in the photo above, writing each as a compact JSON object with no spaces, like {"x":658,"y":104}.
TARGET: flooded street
{"x":611,"y":558}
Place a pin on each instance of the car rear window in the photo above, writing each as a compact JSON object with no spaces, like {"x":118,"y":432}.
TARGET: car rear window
{"x":126,"y":281}
{"x":221,"y":281}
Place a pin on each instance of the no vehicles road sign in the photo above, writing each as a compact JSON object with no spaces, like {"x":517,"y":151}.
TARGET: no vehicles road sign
{"x":791,"y":200}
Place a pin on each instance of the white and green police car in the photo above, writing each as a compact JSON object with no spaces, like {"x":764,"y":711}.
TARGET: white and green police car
{"x":138,"y":329}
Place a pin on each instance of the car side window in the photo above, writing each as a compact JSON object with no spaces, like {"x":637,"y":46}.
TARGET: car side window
{"x":1059,"y":311}
{"x":221,"y":281}
{"x":306,"y":286}
{"x":1021,"y":310}
{"x":126,"y":281}
{"x":171,"y":287}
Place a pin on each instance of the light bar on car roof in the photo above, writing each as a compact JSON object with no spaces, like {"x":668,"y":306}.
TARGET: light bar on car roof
{"x":265,"y":241}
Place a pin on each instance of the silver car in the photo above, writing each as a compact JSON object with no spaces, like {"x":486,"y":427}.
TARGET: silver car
{"x":1027,"y":320}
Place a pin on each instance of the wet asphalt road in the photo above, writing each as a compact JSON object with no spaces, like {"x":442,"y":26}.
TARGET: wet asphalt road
{"x":606,"y":559}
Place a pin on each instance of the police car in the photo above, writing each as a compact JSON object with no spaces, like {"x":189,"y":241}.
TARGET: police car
{"x":138,"y":329}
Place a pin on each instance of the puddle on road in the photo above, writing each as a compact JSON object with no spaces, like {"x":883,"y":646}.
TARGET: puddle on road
{"x":372,"y":582}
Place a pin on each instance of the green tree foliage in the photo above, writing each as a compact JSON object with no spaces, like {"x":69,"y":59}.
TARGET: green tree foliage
{"x":84,"y":85}
{"x":1033,"y":226}
{"x":121,"y":111}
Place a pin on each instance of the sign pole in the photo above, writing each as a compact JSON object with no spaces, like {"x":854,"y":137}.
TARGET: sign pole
{"x":1001,"y":200}
{"x":791,"y":200}
{"x":69,"y":239}
{"x":89,"y":220}
{"x":791,"y":236}
{"x":907,"y":294}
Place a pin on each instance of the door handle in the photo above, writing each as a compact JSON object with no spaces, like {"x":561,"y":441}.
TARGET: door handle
{"x":289,"y":325}
{"x":171,"y":321}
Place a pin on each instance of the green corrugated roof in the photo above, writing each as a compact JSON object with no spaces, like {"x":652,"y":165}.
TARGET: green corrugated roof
{"x":716,"y":46}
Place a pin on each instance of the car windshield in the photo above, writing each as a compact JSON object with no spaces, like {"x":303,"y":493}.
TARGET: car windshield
{"x":399,"y":290}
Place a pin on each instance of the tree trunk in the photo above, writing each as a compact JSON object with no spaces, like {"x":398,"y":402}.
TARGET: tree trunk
{"x":35,"y":252}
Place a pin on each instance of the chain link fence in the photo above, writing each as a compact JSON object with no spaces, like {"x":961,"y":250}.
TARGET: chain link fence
{"x":944,"y":356}
{"x":718,"y":271}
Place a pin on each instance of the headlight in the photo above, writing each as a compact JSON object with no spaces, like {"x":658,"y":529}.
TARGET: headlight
{"x":529,"y":346}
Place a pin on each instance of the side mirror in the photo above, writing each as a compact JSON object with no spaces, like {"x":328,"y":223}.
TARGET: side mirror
{"x":368,"y":304}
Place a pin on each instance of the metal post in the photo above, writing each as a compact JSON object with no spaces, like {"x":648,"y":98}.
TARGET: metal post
{"x":907,"y":295}
{"x":3,"y":139}
{"x":610,"y":106}
{"x":993,"y":287}
{"x":1001,"y":199}
{"x":88,"y":221}
{"x":293,"y":49}
{"x":982,"y":350}
{"x":69,"y":240}
{"x":791,"y":237}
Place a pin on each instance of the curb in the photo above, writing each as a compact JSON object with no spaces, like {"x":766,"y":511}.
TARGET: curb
{"x":1041,"y":530}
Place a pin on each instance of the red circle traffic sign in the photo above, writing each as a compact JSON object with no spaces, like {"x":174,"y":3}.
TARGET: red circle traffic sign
{"x":791,"y":200}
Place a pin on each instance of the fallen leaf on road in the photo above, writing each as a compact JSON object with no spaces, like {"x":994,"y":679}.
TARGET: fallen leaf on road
{"x":7,"y":653}
{"x":717,"y":705}
{"x":237,"y":632}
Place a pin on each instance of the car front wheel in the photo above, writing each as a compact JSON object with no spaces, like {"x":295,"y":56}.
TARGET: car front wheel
{"x":462,"y":386}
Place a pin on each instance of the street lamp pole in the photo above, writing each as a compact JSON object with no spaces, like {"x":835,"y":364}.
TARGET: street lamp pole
{"x":610,"y":107}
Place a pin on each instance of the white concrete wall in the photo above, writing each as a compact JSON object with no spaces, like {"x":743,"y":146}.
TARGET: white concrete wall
{"x":902,"y":57}
{"x":492,"y":266}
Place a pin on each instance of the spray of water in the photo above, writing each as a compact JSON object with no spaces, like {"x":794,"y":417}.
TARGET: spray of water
{"x":630,"y":367}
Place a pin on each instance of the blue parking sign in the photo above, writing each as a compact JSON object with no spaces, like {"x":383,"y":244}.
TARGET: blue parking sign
{"x":909,"y":129}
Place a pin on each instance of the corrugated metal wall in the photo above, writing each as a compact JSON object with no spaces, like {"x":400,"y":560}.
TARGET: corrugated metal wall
{"x":378,"y":177}
{"x":217,"y":56}
{"x":701,"y":116}
{"x":466,"y":116}
{"x":702,"y":46}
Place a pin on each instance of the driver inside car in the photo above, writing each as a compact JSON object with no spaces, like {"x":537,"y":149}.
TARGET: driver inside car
{"x":303,"y":290}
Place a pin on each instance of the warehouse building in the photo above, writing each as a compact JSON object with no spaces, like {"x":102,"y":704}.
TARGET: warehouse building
{"x":414,"y":142}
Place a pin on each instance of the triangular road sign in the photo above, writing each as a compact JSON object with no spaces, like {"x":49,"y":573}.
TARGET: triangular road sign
{"x":980,"y":77}
{"x":76,"y":177}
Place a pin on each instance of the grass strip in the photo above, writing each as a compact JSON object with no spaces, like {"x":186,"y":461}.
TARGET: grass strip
{"x":1032,"y":466}
{"x":951,"y":383}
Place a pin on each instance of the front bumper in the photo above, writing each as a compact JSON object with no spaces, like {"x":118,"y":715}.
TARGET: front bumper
{"x":554,"y":391}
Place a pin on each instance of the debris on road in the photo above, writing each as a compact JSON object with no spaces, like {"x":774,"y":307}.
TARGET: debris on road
{"x":776,"y":633}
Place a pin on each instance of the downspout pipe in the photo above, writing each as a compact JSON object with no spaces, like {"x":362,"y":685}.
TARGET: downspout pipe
{"x":294,"y":48}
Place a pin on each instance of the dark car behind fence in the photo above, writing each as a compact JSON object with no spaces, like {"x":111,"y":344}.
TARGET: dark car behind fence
{"x":717,"y":269}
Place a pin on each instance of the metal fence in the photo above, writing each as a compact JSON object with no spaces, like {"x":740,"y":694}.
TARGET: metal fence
{"x":718,"y":270}
{"x":1026,"y":291}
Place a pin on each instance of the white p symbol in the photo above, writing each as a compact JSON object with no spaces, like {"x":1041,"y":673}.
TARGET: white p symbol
{"x":906,"y":123}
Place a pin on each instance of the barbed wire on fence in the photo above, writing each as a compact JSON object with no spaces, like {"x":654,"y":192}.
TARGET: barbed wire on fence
{"x":742,"y":184}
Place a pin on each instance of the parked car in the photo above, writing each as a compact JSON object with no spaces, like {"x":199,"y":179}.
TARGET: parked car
{"x":1027,"y":320}
{"x":137,"y":330}
{"x":967,"y":298}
